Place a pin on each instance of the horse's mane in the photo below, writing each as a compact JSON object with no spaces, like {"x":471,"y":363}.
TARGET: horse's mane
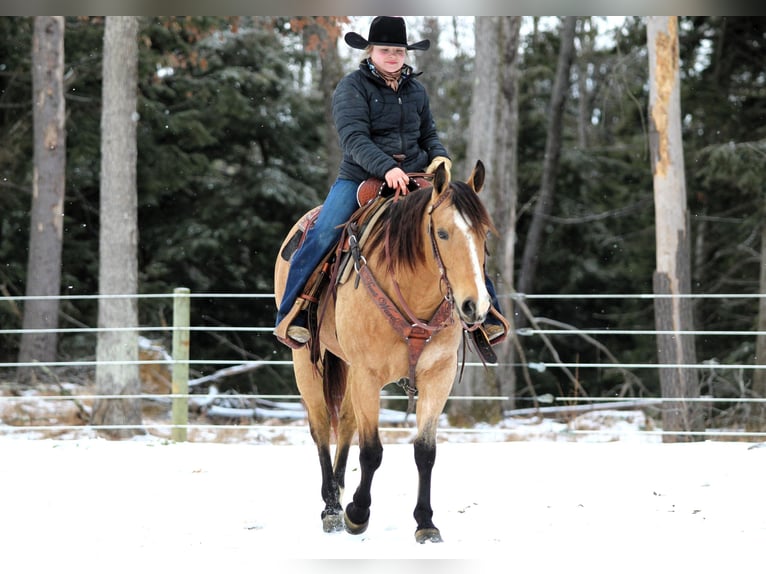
{"x":404,"y":217}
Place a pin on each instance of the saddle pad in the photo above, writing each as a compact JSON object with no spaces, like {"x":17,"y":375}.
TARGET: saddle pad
{"x":305,"y":222}
{"x":347,"y":265}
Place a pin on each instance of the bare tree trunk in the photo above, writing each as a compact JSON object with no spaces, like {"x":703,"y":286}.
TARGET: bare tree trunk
{"x":581,"y":68}
{"x":495,"y":104}
{"x":544,"y":203}
{"x":482,"y":144}
{"x":331,"y":74}
{"x":756,"y":421}
{"x":672,"y":279}
{"x":48,"y":188}
{"x":117,"y":372}
{"x":482,"y":129}
{"x":430,"y":61}
{"x":501,"y":265}
{"x":331,"y":71}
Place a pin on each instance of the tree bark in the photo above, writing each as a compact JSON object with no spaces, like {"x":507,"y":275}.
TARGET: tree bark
{"x":544,"y":204}
{"x":430,"y":60}
{"x":672,"y":278}
{"x":482,"y":129}
{"x":501,"y":265}
{"x":327,"y":30}
{"x":482,"y":144}
{"x":585,"y":36}
{"x":48,"y":189}
{"x":117,"y":351}
{"x":756,"y":419}
{"x":495,"y":104}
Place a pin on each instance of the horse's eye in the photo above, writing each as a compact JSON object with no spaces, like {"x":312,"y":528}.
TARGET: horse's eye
{"x":442,"y":234}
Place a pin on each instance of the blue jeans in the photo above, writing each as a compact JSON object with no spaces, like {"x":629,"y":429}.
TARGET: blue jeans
{"x":336,"y":210}
{"x":493,"y":300}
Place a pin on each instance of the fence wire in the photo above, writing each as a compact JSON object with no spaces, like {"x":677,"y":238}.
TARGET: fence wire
{"x":539,"y":408}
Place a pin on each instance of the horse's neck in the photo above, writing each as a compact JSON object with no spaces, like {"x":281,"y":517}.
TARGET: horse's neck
{"x":421,"y":287}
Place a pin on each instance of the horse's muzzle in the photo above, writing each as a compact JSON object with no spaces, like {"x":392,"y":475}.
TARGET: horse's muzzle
{"x":470,"y":313}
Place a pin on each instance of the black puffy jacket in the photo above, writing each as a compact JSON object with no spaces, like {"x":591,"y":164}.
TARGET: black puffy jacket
{"x":374,"y":123}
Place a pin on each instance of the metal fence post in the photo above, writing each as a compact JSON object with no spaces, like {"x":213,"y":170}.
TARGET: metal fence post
{"x":180,"y":383}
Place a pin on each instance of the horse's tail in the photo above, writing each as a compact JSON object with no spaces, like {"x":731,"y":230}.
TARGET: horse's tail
{"x":334,"y":374}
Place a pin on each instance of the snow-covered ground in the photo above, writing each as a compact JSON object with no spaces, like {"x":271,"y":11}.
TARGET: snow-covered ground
{"x":150,"y":505}
{"x":585,"y":492}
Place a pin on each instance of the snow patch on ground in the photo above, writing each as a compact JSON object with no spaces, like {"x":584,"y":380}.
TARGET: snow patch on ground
{"x":88,"y":505}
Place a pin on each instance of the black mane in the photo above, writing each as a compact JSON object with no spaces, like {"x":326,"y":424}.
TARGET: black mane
{"x":404,"y":217}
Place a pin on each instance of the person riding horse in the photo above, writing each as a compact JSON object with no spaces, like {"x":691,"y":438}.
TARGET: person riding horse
{"x":386,"y":130}
{"x":396,"y":313}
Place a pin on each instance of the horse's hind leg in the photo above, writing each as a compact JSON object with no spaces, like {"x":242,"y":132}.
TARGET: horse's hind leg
{"x":345,"y":434}
{"x":310,"y":386}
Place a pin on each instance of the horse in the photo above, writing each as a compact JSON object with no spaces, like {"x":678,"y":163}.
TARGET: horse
{"x":422,"y":267}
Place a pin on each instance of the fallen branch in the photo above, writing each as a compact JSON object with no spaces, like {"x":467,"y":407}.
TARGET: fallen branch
{"x":565,"y":409}
{"x":223,"y":373}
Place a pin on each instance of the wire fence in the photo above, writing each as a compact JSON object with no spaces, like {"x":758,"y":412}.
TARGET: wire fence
{"x":292,"y":418}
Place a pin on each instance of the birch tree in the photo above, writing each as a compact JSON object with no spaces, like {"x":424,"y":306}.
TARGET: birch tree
{"x":672,"y":278}
{"x":117,"y":351}
{"x":48,"y":188}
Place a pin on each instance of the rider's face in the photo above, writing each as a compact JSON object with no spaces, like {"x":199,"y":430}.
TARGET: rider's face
{"x":388,"y":58}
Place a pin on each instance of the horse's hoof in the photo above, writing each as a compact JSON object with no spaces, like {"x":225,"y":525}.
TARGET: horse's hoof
{"x":332,"y":522}
{"x":354,"y":528}
{"x":428,"y":535}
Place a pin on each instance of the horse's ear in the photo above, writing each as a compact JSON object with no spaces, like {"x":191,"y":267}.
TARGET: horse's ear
{"x":476,"y":180}
{"x":441,"y":178}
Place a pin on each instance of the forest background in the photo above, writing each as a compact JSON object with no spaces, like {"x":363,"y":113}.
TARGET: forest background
{"x":235,"y":143}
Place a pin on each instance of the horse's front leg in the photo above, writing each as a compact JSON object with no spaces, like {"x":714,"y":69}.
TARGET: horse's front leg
{"x":366,"y":402}
{"x":425,"y":456}
{"x":431,"y":401}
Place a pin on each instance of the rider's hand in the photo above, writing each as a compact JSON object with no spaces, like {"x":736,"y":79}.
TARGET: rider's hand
{"x":397,"y":180}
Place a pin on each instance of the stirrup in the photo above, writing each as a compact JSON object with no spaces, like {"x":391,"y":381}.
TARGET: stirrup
{"x":483,"y":346}
{"x":497,"y":331}
{"x":299,"y":334}
{"x":493,"y":331}
{"x":286,"y":333}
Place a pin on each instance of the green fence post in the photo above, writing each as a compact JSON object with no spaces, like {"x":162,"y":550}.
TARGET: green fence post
{"x":180,"y":383}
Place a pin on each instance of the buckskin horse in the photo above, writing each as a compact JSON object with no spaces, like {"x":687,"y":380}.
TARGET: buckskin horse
{"x":422,"y":285}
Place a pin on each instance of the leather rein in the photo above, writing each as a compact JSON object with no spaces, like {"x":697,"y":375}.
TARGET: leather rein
{"x":415,"y":332}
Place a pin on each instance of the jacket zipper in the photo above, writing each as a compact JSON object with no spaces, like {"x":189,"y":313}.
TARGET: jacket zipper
{"x":401,"y":125}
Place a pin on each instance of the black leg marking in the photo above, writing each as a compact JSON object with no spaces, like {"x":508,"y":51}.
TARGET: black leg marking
{"x":425,"y":456}
{"x":332,"y":515}
{"x":358,"y":510}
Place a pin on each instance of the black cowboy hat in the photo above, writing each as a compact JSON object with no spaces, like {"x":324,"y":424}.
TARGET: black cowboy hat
{"x":386,"y":31}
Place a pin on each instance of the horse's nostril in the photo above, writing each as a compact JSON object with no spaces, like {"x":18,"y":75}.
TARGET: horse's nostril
{"x":469,"y":310}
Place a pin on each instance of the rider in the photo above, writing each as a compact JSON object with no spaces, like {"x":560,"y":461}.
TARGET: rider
{"x":384,"y":123}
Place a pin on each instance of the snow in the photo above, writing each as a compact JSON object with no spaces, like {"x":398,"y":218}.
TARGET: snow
{"x":619,"y":505}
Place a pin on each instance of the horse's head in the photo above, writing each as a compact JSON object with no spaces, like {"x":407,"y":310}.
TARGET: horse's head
{"x":459,"y":224}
